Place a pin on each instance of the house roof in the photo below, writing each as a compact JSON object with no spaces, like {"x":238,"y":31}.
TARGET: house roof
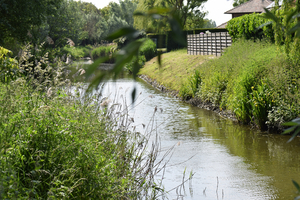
{"x":250,"y":7}
{"x":222,"y":25}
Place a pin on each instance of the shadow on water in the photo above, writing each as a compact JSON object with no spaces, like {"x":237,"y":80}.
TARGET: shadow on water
{"x":230,"y":161}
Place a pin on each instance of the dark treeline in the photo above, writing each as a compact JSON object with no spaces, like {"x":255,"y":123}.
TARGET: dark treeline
{"x":57,"y":22}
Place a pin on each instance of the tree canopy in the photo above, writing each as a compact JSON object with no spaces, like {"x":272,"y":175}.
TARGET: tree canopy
{"x":187,"y":12}
{"x":57,"y":21}
{"x":17,"y":16}
{"x":239,"y":2}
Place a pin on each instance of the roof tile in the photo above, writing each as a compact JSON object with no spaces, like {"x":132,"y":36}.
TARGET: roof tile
{"x":250,"y":7}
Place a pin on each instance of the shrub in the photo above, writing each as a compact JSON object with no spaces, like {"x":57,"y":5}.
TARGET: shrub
{"x":247,"y":26}
{"x":79,"y":51}
{"x":140,"y":61}
{"x":8,"y":66}
{"x":148,"y":49}
{"x":104,"y":51}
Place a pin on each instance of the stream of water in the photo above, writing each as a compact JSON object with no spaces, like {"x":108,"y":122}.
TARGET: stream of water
{"x":230,"y":161}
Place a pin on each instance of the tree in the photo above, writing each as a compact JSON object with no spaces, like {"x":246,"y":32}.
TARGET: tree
{"x":239,"y":2}
{"x":119,"y":15}
{"x":17,"y":16}
{"x":186,"y":11}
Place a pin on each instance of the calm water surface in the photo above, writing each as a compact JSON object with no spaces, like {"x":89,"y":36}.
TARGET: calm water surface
{"x":230,"y":161}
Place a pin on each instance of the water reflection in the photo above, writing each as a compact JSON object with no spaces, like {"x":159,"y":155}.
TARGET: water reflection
{"x":230,"y":161}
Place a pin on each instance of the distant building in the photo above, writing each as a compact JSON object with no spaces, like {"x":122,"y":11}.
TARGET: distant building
{"x":252,"y":6}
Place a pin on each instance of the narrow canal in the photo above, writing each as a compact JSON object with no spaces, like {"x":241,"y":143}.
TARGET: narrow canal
{"x":230,"y":161}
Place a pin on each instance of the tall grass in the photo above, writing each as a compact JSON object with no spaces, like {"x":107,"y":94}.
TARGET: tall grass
{"x":78,"y":51}
{"x":103,"y":51}
{"x":58,"y":145}
{"x":254,"y":80}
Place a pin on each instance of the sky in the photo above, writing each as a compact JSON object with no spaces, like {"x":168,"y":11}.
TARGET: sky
{"x":215,"y":8}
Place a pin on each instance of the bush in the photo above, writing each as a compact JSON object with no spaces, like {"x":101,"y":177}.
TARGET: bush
{"x":147,"y":52}
{"x":148,"y":49}
{"x":247,"y":26}
{"x":8,"y":66}
{"x":104,"y":51}
{"x":78,"y":51}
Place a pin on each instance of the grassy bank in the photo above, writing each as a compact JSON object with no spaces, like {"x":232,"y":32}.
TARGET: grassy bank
{"x":254,"y":80}
{"x":176,"y":68}
{"x":58,"y":145}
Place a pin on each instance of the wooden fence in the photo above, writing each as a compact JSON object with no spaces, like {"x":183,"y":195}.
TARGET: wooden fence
{"x":208,"y":43}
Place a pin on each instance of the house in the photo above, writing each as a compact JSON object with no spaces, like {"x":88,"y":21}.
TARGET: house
{"x":252,"y":6}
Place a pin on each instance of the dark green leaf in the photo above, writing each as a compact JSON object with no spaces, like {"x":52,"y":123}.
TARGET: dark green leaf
{"x":159,"y":58}
{"x":291,"y":129}
{"x":123,"y":32}
{"x":95,"y":82}
{"x":177,"y":32}
{"x":290,"y":16}
{"x":138,"y":13}
{"x":93,"y":67}
{"x":296,"y":185}
{"x":159,"y":10}
{"x":265,"y":24}
{"x":290,"y":124}
{"x":270,"y":15}
{"x":294,"y":135}
{"x":295,"y":28}
{"x":133,"y":93}
{"x":136,"y":68}
{"x":125,"y":55}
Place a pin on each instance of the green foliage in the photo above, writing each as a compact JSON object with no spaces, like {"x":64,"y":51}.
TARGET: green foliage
{"x":140,"y":60}
{"x":239,"y":2}
{"x":17,"y":16}
{"x":79,"y":51}
{"x":59,"y":145}
{"x":132,"y":48}
{"x":253,"y":80}
{"x":187,"y":12}
{"x":190,"y":88}
{"x":58,"y":148}
{"x":287,"y":28}
{"x":148,"y":49}
{"x":8,"y":66}
{"x":247,"y":26}
{"x":104,"y":51}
